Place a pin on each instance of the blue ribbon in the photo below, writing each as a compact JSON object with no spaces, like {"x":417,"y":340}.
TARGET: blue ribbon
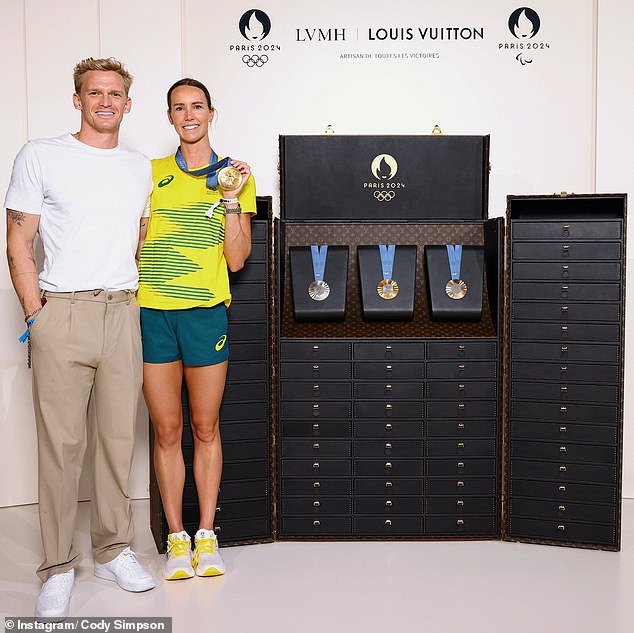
{"x":211,"y":171}
{"x":454,"y":254}
{"x":387,"y":259}
{"x":318,"y":253}
{"x":24,"y":336}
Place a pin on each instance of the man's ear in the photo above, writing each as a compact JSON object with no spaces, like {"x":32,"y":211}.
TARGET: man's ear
{"x":128,"y":106}
{"x":76,"y":101}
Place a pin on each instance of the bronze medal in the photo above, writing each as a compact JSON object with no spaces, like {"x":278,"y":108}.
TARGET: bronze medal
{"x":318,"y":290}
{"x":456,"y":289}
{"x":229,"y":178}
{"x":387,"y":289}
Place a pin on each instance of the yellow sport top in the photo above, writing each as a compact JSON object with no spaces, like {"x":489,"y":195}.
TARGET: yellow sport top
{"x":182,"y":264}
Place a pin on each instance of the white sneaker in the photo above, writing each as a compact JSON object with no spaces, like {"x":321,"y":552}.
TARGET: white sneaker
{"x":54,"y":599}
{"x":126,"y":571}
{"x":178,"y":562}
{"x":207,"y":558}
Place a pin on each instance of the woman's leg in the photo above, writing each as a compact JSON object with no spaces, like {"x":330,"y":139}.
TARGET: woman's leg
{"x":162,"y":384}
{"x":205,"y":386}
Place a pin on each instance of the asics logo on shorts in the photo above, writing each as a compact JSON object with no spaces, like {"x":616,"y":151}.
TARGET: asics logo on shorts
{"x":221,"y":342}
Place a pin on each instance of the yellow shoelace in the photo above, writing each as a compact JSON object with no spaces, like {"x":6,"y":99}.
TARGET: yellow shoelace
{"x":178,"y":548}
{"x":206,"y":546}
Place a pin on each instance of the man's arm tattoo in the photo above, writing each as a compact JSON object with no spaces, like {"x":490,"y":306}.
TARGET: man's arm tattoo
{"x":17,"y":217}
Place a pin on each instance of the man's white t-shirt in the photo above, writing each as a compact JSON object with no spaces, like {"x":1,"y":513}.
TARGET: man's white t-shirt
{"x":90,"y":202}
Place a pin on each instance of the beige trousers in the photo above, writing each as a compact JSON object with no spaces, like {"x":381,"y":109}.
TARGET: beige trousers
{"x":87,"y":373}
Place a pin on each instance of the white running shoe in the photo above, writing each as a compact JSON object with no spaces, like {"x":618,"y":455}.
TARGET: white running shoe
{"x":207,"y":558}
{"x":126,"y":571}
{"x":178,"y":562}
{"x":53,"y":602}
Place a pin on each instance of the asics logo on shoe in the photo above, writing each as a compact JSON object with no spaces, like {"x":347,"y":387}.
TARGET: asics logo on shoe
{"x":221,"y":342}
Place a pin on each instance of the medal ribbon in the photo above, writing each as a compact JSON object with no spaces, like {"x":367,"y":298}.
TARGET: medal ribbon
{"x":387,"y":259}
{"x":319,"y":254}
{"x":454,"y":254}
{"x":211,"y":171}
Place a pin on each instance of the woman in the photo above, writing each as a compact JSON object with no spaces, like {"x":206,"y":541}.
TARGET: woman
{"x":196,"y":230}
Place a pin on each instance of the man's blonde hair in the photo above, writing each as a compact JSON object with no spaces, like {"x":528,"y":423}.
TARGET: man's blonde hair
{"x":106,"y":64}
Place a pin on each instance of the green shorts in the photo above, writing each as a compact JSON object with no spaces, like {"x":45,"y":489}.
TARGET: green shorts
{"x":197,"y":336}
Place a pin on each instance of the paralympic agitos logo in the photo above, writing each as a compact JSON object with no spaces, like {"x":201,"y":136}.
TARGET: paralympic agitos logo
{"x":524,"y":24}
{"x":254,"y":25}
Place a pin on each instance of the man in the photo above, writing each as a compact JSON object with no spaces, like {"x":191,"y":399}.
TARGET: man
{"x":87,"y":197}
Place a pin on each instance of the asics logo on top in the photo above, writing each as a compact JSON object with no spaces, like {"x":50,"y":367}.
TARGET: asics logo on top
{"x":166,"y":181}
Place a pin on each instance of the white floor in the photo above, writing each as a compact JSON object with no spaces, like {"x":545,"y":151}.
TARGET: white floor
{"x":365,"y":587}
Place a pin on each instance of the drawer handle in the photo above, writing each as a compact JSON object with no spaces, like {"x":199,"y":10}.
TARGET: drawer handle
{"x":563,"y":411}
{"x":461,"y":389}
{"x":563,"y":429}
{"x":561,"y":527}
{"x":565,"y":250}
{"x":565,"y":270}
{"x":316,"y":465}
{"x":460,"y":503}
{"x":388,"y":388}
{"x":388,"y":370}
{"x":388,"y":427}
{"x":562,"y":469}
{"x":460,"y":522}
{"x":460,"y":465}
{"x":388,"y":504}
{"x":388,"y":351}
{"x":564,"y":309}
{"x":315,"y":351}
{"x":563,"y":449}
{"x":461,"y":371}
{"x":461,"y":426}
{"x":316,"y":504}
{"x":460,"y":483}
{"x":563,"y":388}
{"x":388,"y":484}
{"x":315,"y":390}
{"x":388,"y":410}
{"x":316,"y":410}
{"x":315,"y":371}
{"x":562,"y":508}
{"x":388,"y":522}
{"x":218,"y":528}
{"x":315,"y":427}
{"x":388,"y":446}
{"x":460,"y":445}
{"x":316,"y":523}
{"x":316,"y":446}
{"x":562,"y":488}
{"x":461,"y":350}
{"x":388,"y":464}
{"x":316,"y":484}
{"x":218,"y":510}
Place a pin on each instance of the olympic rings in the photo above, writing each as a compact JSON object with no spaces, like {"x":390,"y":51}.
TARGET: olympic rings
{"x":255,"y":60}
{"x":384,"y":196}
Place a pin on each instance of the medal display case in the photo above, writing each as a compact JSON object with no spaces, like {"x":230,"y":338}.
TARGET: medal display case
{"x":317,"y":300}
{"x":387,"y":293}
{"x":387,"y":429}
{"x":244,"y":507}
{"x":566,"y":302}
{"x":455,"y":295}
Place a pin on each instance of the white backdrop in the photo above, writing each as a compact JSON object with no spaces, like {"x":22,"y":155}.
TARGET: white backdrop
{"x":552,"y":93}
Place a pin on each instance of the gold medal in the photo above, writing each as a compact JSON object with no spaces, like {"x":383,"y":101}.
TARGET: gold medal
{"x":456,"y":289}
{"x":229,"y":178}
{"x":387,"y":289}
{"x":318,"y":290}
